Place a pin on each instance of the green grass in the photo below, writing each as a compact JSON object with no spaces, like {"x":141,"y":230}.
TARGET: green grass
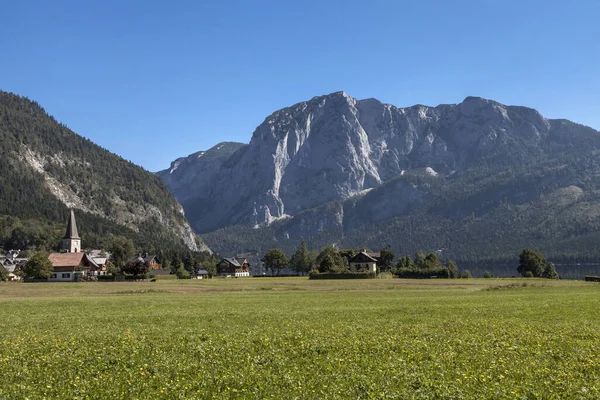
{"x":294,"y":338}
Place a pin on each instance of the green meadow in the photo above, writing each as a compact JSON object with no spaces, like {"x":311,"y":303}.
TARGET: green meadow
{"x":288,"y":338}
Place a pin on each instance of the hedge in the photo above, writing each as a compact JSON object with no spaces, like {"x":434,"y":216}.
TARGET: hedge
{"x":343,"y":275}
{"x":411,"y":273}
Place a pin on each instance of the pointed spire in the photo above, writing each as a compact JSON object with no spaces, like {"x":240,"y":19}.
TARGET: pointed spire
{"x":72,"y":227}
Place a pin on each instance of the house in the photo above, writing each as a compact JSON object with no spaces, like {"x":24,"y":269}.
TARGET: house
{"x":234,"y":266}
{"x":201,"y":274}
{"x":12,"y":263}
{"x":12,"y":266}
{"x":364,"y":261}
{"x":149,"y":261}
{"x":101,"y":258}
{"x":71,"y":266}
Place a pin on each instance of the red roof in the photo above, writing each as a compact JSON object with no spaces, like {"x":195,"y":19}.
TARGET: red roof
{"x":70,"y":260}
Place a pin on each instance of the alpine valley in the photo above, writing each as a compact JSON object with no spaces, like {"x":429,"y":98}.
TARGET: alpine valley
{"x":476,"y":181}
{"x":46,"y":169}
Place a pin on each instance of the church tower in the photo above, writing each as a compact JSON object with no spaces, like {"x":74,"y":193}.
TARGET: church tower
{"x":72,"y":241}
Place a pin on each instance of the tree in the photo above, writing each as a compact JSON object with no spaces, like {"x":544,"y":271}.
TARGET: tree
{"x":38,"y":267}
{"x":190,"y":264}
{"x":452,"y":269}
{"x":3,"y":274}
{"x":405,"y":262}
{"x":209,"y":266}
{"x":531,"y":261}
{"x":419,"y":259}
{"x":275,"y":260}
{"x":331,"y":264}
{"x":302,"y":260}
{"x":121,"y":250}
{"x":386,"y":259}
{"x":466,"y":274}
{"x":487,"y":274}
{"x":136,"y":267}
{"x":339,"y":262}
{"x":431,"y":261}
{"x":182,"y":273}
{"x":550,"y":272}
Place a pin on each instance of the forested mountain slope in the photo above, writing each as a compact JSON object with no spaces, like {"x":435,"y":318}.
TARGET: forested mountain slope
{"x":45,"y":169}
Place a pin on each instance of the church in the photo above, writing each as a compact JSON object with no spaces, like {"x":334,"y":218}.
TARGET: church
{"x":71,"y":264}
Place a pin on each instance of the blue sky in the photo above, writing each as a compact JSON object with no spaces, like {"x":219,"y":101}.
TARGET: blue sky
{"x":156,"y":80}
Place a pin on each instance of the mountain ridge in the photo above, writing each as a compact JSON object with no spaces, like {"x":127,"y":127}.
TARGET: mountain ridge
{"x":334,"y":149}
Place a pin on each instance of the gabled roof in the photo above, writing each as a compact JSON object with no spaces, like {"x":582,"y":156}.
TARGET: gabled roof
{"x":72,"y":227}
{"x":100,"y":260}
{"x":71,"y":260}
{"x":232,"y":261}
{"x":363,"y":255}
{"x":202,"y":272}
{"x":241,"y":260}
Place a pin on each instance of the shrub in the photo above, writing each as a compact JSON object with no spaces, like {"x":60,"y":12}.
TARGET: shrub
{"x":488,"y":274}
{"x":106,"y":278}
{"x":550,"y":272}
{"x":385,"y":275}
{"x":527,"y":274}
{"x":466,"y":274}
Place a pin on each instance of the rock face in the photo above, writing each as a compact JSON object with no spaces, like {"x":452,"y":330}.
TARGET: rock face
{"x":334,"y":147}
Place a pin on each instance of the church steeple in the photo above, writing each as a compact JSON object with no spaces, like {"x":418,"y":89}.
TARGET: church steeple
{"x":72,"y":241}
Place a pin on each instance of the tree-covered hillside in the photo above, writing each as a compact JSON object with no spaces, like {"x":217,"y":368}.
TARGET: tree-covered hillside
{"x":45,"y":169}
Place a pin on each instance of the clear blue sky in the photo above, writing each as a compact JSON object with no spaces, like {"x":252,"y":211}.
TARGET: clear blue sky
{"x":156,"y":80}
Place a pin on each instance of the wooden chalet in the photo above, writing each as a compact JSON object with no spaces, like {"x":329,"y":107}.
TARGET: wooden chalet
{"x":233,"y":266}
{"x":71,"y":266}
{"x":149,"y":261}
{"x":365,"y":261}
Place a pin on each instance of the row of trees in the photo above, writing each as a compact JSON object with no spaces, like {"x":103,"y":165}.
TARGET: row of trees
{"x":332,"y":260}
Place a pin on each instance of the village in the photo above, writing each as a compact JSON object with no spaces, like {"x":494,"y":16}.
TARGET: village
{"x":73,"y":264}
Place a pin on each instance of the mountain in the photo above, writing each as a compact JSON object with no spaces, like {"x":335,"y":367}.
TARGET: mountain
{"x":45,"y":169}
{"x":478,"y":179}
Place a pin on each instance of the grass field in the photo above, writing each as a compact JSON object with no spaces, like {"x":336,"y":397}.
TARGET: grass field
{"x":293,"y":338}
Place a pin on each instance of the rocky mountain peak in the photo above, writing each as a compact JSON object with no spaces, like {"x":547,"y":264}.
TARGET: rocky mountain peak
{"x":334,"y":147}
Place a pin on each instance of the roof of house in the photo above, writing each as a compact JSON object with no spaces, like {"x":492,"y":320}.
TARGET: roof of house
{"x":202,"y":272}
{"x":233,"y":261}
{"x":96,"y":253}
{"x":70,"y":259}
{"x":241,"y":260}
{"x":100,"y":260}
{"x":72,"y":227}
{"x":370,"y":256}
{"x":146,"y":259}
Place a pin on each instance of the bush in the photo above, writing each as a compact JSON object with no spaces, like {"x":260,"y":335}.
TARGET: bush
{"x":487,"y":275}
{"x":527,"y":274}
{"x":466,"y":274}
{"x":550,"y":272}
{"x":342,"y":275}
{"x":385,"y":275}
{"x":183,"y":274}
{"x":106,"y":278}
{"x":427,"y":273}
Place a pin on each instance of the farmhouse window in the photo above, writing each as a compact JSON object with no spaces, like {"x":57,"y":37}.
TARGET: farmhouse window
{"x":66,"y":275}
